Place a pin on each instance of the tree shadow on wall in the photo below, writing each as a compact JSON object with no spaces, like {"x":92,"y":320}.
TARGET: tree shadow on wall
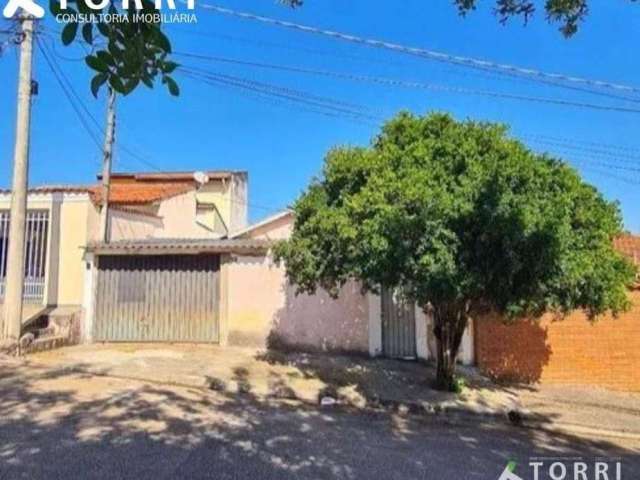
{"x":321,"y":323}
{"x":512,"y":352}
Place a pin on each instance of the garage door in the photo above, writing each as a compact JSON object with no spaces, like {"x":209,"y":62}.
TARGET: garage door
{"x":157,"y":298}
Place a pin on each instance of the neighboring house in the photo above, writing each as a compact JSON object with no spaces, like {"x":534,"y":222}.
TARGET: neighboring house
{"x":63,"y":219}
{"x":59,"y":219}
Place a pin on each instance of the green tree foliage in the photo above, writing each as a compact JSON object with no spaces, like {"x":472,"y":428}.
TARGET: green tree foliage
{"x":461,"y":219}
{"x":124,"y":54}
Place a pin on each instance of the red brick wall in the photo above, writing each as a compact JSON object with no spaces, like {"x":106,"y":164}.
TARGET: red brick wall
{"x":573,"y":350}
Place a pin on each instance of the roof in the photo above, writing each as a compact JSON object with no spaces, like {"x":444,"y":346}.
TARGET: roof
{"x":55,"y":189}
{"x":141,"y":193}
{"x":629,"y":245}
{"x":262,"y":223}
{"x":173,"y":176}
{"x":183,"y":246}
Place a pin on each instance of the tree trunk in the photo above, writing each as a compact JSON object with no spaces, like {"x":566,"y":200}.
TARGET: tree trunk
{"x":450,"y":322}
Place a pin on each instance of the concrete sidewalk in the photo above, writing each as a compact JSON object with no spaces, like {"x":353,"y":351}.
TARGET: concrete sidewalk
{"x":581,"y":407}
{"x":353,"y":382}
{"x":57,"y":423}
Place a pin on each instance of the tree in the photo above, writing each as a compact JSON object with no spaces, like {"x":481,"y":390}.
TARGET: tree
{"x":124,"y":53}
{"x":461,"y":219}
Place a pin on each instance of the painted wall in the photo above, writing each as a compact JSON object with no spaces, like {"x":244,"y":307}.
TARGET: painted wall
{"x":127,"y":225}
{"x":74,"y":227}
{"x":230,"y":198}
{"x":178,"y":216}
{"x":262,"y":307}
{"x":263,"y":310}
{"x":69,"y":225}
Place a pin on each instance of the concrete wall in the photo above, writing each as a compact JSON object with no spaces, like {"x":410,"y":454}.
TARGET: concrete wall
{"x":127,"y":225}
{"x":178,"y":216}
{"x":230,"y":198}
{"x":263,"y":310}
{"x":74,"y":227}
{"x":69,"y":225}
{"x":570,"y":351}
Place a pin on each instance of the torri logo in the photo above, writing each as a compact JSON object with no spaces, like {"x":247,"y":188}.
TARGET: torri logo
{"x":567,"y":469}
{"x":508,"y":474}
{"x":29,"y":6}
{"x":32,"y":8}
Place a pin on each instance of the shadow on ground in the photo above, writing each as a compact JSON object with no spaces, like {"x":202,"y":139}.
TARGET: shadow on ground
{"x":57,"y":423}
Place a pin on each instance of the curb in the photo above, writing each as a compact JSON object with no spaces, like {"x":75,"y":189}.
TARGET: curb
{"x":576,"y":429}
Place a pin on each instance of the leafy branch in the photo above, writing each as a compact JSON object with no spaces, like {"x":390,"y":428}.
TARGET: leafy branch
{"x":125,"y":53}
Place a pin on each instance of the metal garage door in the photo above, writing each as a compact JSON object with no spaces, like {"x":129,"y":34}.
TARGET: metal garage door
{"x":398,"y":326}
{"x":157,"y":298}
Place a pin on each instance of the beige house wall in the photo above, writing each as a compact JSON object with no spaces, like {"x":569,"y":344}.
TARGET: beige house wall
{"x":74,"y":228}
{"x":229,"y":197}
{"x":128,"y":225}
{"x":69,"y":225}
{"x":262,"y":308}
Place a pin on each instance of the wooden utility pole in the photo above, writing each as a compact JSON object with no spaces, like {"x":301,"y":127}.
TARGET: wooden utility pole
{"x":109,"y":138}
{"x":15,"y":259}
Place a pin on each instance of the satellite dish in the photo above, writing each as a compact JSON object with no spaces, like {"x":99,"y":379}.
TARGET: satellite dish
{"x":201,"y":177}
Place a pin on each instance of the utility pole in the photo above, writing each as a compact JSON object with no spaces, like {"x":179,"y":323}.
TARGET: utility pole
{"x":17,"y":229}
{"x":109,"y":138}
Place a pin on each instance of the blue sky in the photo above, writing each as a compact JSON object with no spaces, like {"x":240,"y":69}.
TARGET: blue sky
{"x":282,"y":145}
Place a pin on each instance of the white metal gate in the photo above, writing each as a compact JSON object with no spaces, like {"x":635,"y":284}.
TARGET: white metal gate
{"x":398,"y":326}
{"x":35,"y":257}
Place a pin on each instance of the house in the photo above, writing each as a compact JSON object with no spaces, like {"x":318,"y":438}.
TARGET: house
{"x":59,"y":219}
{"x":253,"y":303}
{"x":63,"y":219}
{"x":183,"y":265}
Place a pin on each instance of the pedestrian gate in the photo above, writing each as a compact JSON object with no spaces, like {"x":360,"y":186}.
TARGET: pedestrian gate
{"x":398,"y":326}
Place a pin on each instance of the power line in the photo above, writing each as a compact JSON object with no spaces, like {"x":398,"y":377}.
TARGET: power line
{"x":278,"y":102}
{"x":280,"y":92}
{"x":68,"y":95}
{"x":60,"y":75}
{"x":590,"y":143}
{"x":606,"y":165}
{"x":618,"y":178}
{"x":72,"y":101}
{"x":290,"y":47}
{"x":408,"y":84}
{"x":287,"y":90}
{"x":589,"y":151}
{"x":420,"y":52}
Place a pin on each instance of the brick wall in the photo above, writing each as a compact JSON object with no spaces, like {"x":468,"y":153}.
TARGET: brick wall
{"x":605,"y":353}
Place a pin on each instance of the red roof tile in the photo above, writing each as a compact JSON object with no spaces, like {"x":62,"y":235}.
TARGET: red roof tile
{"x":141,"y":192}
